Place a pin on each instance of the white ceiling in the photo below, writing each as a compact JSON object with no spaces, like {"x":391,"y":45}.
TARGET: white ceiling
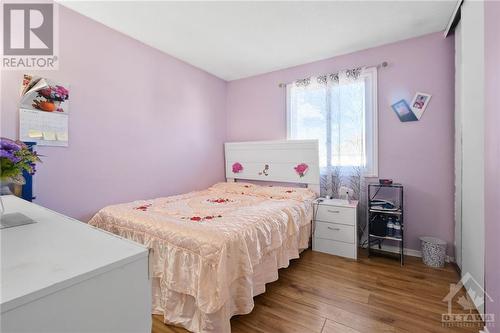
{"x":234,"y":40}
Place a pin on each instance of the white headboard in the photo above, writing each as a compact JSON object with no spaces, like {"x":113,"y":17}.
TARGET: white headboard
{"x":281,"y":157}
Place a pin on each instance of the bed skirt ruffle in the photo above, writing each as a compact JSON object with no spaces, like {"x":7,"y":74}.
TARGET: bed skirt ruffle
{"x":181,"y":310}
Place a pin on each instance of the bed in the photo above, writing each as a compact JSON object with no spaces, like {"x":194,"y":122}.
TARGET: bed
{"x":213,"y":250}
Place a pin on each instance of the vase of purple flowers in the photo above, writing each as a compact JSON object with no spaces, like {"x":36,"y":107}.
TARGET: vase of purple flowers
{"x":15,"y":157}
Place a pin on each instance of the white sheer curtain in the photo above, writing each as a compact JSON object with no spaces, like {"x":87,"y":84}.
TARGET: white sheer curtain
{"x":340,"y":111}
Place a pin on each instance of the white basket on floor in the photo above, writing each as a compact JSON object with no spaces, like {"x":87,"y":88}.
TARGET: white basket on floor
{"x":433,"y":251}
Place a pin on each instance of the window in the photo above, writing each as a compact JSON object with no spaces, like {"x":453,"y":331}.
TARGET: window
{"x":340,"y":110}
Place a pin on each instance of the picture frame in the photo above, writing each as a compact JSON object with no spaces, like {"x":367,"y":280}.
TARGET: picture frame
{"x":419,"y":103}
{"x":44,"y":95}
{"x":403,"y":111}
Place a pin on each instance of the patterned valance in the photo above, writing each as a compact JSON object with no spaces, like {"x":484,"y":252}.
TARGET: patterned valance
{"x":349,"y":74}
{"x":303,"y":83}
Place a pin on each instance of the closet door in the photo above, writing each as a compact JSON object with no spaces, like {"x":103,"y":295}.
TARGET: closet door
{"x":471,"y":112}
{"x":458,"y":145}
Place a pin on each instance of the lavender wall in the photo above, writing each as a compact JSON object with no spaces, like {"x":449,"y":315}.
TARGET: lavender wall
{"x":492,"y":159}
{"x":418,"y":154}
{"x":142,"y":124}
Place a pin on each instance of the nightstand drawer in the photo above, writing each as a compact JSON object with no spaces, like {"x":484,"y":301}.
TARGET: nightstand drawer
{"x":336,"y":214}
{"x":335,"y":248}
{"x":333,"y":231}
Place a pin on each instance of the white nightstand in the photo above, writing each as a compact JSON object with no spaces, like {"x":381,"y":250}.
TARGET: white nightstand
{"x":336,"y":227}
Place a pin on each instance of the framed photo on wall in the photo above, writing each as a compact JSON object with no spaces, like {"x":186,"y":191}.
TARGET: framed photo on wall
{"x":419,"y":103}
{"x":402,"y":109}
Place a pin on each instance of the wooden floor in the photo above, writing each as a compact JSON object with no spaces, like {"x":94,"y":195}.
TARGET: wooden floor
{"x":329,"y":294}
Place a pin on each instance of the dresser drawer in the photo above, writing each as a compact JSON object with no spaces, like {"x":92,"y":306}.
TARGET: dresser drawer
{"x":336,"y":248}
{"x":334,"y":214}
{"x":339,"y":232}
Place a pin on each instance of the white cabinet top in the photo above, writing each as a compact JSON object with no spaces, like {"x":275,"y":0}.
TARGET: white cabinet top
{"x":336,"y":202}
{"x":54,"y":253}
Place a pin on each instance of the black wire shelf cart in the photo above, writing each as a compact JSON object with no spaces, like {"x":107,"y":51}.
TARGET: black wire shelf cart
{"x":380,"y":215}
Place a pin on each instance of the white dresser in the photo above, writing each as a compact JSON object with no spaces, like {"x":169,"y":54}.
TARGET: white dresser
{"x":62,"y":275}
{"x":335,"y":227}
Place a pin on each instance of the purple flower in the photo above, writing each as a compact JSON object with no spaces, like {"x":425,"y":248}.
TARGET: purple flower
{"x":16,"y":157}
{"x":10,"y":156}
{"x":56,"y":93}
{"x":9,"y":145}
{"x":61,"y":90}
{"x":8,"y":148}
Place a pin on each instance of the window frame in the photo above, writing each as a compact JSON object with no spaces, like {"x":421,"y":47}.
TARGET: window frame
{"x":371,"y":133}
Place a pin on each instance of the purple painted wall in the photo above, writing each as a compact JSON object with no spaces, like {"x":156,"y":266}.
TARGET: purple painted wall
{"x":418,"y":154}
{"x":142,"y":124}
{"x":492,"y":159}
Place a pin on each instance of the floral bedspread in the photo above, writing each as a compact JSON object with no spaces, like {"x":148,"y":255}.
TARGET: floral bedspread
{"x":203,"y":241}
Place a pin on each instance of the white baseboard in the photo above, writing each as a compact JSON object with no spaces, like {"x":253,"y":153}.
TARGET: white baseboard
{"x":408,"y":252}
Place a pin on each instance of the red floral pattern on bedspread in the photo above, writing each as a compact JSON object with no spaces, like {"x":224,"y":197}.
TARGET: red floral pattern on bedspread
{"x":200,"y":218}
{"x":143,"y":208}
{"x":195,"y":218}
{"x":220,"y":200}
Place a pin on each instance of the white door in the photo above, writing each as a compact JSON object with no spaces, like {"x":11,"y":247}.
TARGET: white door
{"x":458,"y":145}
{"x":471,"y":109}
